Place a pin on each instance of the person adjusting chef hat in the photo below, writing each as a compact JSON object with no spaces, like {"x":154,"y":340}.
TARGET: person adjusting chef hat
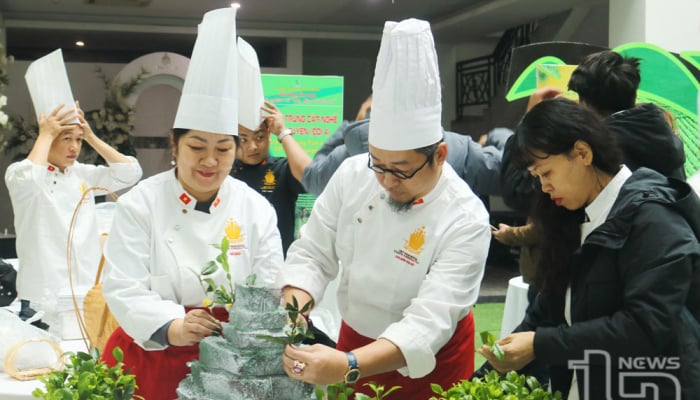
{"x":46,"y":187}
{"x":278,"y":179}
{"x":411,"y":236}
{"x":187,"y":208}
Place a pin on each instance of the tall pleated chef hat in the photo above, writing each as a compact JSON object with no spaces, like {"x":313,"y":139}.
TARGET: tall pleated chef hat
{"x":406,"y":91}
{"x":209,"y":100}
{"x":250,"y":88}
{"x":48,"y":84}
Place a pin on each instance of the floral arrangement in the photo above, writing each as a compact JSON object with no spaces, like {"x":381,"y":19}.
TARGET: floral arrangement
{"x":4,"y":60}
{"x":5,"y":124}
{"x":114,"y":122}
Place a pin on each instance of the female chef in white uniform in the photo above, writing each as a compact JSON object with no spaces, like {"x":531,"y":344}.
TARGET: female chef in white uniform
{"x":164,"y":228}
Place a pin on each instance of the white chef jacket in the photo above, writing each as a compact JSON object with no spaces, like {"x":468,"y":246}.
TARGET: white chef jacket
{"x":409,"y":277}
{"x":43,"y":200}
{"x":159,"y":243}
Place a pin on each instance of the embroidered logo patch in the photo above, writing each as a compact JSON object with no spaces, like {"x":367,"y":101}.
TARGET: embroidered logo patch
{"x":415,"y":242}
{"x":235,"y":236}
{"x":412,"y":247}
{"x":234,"y":233}
{"x":269,"y":181}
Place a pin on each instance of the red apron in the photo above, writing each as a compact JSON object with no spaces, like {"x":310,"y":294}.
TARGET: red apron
{"x":454,"y":362}
{"x":157,"y":372}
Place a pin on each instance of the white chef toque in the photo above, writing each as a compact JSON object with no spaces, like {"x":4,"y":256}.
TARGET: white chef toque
{"x":48,"y":85}
{"x":250,"y":88}
{"x":209,"y":100}
{"x":406,"y":91}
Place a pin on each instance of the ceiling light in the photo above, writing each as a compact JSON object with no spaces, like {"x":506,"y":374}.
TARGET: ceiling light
{"x":236,"y":5}
{"x":80,"y":43}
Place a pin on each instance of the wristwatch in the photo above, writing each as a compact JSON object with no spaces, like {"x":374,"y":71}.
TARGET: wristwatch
{"x":353,"y":373}
{"x":285,"y":132}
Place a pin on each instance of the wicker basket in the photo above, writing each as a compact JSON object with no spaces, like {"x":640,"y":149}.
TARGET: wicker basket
{"x":31,"y":373}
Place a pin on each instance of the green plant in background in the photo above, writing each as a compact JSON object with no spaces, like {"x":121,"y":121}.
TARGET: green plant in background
{"x":493,"y":386}
{"x":298,"y":328}
{"x":86,"y":377}
{"x":219,"y":294}
{"x":489,"y":339}
{"x":340,"y":391}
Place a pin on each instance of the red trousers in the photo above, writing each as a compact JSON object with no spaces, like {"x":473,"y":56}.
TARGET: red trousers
{"x":454,"y":362}
{"x":157,"y":372}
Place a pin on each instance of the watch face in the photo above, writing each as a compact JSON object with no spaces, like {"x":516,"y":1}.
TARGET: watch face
{"x":352,"y":376}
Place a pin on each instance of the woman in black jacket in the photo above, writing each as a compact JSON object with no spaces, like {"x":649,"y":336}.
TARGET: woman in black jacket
{"x":621,"y":261}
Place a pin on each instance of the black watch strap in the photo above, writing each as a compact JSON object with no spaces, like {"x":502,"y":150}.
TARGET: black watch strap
{"x":353,"y":373}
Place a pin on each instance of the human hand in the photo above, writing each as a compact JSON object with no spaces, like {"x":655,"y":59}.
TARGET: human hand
{"x":317,"y":364}
{"x":88,"y":134}
{"x":274,"y":118}
{"x":57,"y":122}
{"x":504,"y":234}
{"x":195,"y":326}
{"x":542,"y":94}
{"x":518,"y":349}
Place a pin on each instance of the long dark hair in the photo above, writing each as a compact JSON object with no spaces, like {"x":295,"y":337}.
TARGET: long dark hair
{"x":552,"y":128}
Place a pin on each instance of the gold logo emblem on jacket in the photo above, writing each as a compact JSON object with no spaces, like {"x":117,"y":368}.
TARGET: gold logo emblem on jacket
{"x":415,"y":242}
{"x":234,"y":233}
{"x":269,"y":181}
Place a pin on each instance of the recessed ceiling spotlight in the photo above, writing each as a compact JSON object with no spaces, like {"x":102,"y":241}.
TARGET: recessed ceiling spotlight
{"x":236,"y":5}
{"x":80,"y":43}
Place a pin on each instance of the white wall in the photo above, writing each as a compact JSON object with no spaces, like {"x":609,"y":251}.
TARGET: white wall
{"x":673,"y":25}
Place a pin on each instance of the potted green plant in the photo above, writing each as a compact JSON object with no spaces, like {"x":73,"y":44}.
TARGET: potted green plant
{"x":86,"y":377}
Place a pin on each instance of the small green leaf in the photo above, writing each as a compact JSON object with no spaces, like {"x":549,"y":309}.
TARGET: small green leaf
{"x":209,"y":268}
{"x":497,"y":351}
{"x":250,"y":280}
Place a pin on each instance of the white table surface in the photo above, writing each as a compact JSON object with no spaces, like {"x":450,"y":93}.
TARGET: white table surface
{"x":515,"y":306}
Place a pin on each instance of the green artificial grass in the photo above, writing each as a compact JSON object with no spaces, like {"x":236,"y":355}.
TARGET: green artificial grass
{"x":487,"y":317}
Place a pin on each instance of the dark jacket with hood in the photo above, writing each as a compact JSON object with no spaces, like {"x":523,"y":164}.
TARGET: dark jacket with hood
{"x":647,"y":140}
{"x":643,"y":135}
{"x":630,"y":280}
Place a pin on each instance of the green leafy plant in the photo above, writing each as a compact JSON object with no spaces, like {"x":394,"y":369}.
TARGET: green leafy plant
{"x":512,"y":386}
{"x":341,"y":391}
{"x":219,"y":294}
{"x":489,"y":339}
{"x":86,"y":377}
{"x":298,"y":328}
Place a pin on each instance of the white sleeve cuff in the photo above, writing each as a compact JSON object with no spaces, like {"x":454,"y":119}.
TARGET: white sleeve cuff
{"x":420,"y":359}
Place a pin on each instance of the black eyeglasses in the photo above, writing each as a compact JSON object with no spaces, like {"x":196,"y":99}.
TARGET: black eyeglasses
{"x":398,"y":174}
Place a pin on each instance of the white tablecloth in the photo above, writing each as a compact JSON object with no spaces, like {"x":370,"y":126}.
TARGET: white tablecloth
{"x":516,"y":304}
